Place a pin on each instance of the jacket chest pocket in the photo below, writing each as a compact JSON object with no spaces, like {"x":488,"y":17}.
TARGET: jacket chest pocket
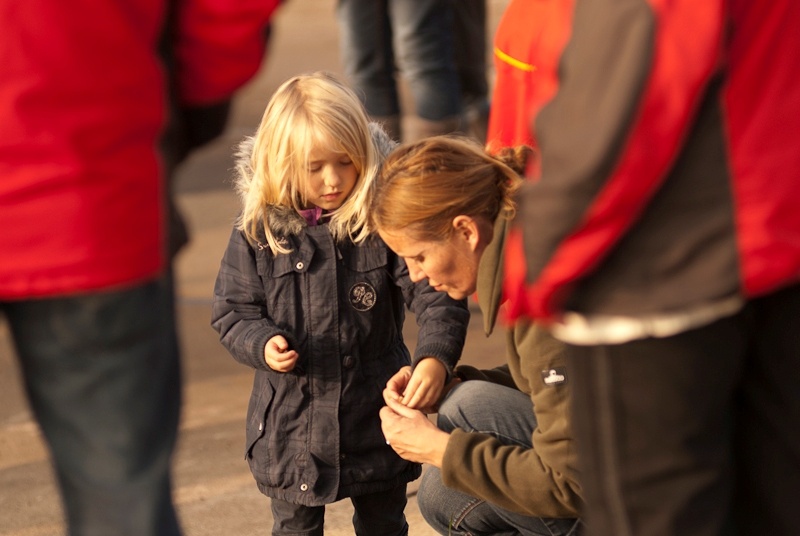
{"x":280,"y":279}
{"x":366,"y":277}
{"x":275,"y":267}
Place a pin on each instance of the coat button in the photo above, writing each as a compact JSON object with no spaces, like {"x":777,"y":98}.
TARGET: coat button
{"x":303,"y":487}
{"x":348,"y":361}
{"x":299,"y":265}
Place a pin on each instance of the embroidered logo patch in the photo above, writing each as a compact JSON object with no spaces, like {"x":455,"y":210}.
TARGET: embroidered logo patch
{"x":363,"y":296}
{"x":555,"y":376}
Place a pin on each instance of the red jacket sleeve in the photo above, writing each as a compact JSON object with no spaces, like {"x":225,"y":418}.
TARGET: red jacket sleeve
{"x":527,"y":46}
{"x":219,"y":45}
{"x":631,"y":77}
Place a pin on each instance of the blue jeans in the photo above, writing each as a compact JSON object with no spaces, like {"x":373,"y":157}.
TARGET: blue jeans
{"x":478,"y":406}
{"x":101,"y":372}
{"x":413,"y":35}
{"x":376,"y":514}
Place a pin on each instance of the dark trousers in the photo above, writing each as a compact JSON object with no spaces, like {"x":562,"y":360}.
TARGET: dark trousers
{"x":376,"y":514}
{"x":101,"y":372}
{"x":695,"y":434}
{"x":469,"y":34}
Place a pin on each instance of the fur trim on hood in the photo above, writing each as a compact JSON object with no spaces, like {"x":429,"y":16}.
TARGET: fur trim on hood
{"x":383,"y":143}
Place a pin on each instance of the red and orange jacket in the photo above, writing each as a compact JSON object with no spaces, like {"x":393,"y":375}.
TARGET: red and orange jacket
{"x":83,"y":102}
{"x":527,"y":47}
{"x":670,"y":160}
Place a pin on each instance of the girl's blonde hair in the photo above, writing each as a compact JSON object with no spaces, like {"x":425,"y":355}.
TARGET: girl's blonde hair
{"x":306,"y":111}
{"x":423,"y":186}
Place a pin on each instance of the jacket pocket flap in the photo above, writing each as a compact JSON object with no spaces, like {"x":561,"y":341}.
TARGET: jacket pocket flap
{"x":366,"y":259}
{"x":278,"y":266}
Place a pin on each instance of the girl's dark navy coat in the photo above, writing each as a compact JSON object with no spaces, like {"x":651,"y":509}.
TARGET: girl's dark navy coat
{"x":313,"y":434}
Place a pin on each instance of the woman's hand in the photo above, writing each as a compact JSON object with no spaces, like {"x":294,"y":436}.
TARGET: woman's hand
{"x":278,"y":356}
{"x":409,"y":432}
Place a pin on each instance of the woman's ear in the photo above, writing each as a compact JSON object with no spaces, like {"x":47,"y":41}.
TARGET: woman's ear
{"x":466,"y":228}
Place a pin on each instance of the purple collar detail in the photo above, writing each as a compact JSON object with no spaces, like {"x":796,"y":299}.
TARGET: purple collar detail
{"x":311,"y":215}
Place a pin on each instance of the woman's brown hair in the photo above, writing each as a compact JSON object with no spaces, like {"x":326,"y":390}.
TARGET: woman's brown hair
{"x":423,"y":186}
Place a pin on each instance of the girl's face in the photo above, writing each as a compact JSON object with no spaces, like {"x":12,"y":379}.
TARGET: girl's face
{"x":331,"y":178}
{"x":450,"y":265}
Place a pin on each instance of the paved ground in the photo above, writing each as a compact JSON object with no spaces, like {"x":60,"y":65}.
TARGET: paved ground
{"x":214,"y":491}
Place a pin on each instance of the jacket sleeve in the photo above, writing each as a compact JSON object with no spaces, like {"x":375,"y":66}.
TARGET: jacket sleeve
{"x":631,"y":78}
{"x":218,"y":46}
{"x":538,"y":481}
{"x":238,"y":311}
{"x":499,"y":375}
{"x":442,"y":320}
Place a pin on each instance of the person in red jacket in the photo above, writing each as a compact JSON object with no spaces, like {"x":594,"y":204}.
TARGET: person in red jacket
{"x":85,"y":95}
{"x":663,"y":245}
{"x":527,"y":47}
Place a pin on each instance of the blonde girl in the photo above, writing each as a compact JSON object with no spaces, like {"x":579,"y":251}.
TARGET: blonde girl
{"x":314,"y":301}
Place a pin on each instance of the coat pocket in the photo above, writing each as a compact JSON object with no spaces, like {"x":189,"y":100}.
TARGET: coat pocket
{"x":366,"y":278}
{"x":269,"y":265}
{"x":257,"y":452}
{"x":365,"y":259}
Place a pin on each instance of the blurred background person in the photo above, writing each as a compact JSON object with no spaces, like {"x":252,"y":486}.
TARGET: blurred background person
{"x":469,"y":38}
{"x":381,"y":39}
{"x":85,"y":94}
{"x":663,"y":245}
{"x":527,"y":46}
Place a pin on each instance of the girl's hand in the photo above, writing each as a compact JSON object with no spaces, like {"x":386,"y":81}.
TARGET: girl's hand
{"x":278,"y":356}
{"x":409,"y":432}
{"x":424,"y":387}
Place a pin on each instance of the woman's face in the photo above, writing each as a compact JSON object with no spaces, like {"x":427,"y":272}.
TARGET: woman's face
{"x":331,"y":178}
{"x":449,"y":265}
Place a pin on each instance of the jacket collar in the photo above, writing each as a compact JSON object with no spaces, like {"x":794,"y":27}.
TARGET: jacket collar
{"x":490,"y":274}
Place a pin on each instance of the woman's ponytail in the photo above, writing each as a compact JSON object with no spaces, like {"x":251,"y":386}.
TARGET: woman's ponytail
{"x":516,"y":157}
